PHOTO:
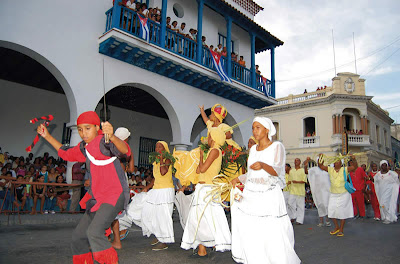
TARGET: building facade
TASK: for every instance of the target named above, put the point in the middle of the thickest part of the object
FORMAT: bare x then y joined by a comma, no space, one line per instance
314,122
62,57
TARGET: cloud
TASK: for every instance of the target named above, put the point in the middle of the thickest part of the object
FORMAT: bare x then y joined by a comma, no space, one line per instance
306,61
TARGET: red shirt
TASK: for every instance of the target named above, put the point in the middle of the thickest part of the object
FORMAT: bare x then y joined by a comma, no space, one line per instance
358,178
107,181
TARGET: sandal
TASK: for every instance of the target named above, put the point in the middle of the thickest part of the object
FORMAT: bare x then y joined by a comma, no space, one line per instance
340,234
122,237
334,232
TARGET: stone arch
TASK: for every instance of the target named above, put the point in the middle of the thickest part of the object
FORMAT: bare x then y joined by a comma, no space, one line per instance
52,69
165,103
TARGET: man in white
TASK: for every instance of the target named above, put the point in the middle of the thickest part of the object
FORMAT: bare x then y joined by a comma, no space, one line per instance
297,181
320,185
387,191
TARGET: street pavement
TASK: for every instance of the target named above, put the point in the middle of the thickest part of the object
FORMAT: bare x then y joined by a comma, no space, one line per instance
46,239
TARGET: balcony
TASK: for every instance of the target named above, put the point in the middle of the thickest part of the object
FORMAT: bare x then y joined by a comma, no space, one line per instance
308,142
304,97
175,56
353,140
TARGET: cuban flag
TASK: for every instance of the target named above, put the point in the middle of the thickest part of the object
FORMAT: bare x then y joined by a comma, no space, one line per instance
218,66
267,89
144,28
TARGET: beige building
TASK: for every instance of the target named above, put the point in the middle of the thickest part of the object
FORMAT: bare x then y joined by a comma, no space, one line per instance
312,123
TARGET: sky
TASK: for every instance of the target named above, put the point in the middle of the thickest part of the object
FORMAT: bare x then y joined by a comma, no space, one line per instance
306,61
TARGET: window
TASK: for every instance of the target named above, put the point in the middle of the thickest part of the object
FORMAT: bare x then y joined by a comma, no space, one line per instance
276,137
146,146
309,127
378,138
348,123
222,40
384,138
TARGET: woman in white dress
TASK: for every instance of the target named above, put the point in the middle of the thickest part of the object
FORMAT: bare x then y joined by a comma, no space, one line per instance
387,190
261,228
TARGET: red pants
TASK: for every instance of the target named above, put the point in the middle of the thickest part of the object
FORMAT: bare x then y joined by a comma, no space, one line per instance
358,202
375,205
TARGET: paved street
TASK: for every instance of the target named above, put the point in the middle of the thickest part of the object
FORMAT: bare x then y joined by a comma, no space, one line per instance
365,241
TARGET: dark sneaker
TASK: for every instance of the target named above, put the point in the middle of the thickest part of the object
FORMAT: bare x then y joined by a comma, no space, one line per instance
160,246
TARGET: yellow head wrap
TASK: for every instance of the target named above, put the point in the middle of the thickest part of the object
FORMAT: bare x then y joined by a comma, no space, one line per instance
254,139
165,145
225,128
218,136
219,111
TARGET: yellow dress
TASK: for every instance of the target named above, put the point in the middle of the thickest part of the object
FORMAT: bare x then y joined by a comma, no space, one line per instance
187,161
161,181
213,170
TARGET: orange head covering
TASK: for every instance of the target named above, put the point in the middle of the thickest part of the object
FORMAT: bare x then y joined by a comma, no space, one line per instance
219,111
89,117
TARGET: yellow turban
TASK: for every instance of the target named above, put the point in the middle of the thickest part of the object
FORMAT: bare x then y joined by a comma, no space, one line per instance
165,145
218,136
254,139
219,111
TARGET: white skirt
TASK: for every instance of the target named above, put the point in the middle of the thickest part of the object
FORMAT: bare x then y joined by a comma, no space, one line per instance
261,228
133,213
182,203
157,214
212,228
340,206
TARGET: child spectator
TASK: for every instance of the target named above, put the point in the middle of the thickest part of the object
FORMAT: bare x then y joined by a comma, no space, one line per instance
20,190
39,193
62,196
52,175
242,62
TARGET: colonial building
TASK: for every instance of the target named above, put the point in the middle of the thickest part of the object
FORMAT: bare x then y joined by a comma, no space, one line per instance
61,57
314,122
395,132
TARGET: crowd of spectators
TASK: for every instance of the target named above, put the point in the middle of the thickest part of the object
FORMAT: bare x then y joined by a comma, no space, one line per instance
17,194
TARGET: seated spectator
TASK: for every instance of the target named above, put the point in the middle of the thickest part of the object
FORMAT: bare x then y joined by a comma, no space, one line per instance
39,193
62,196
5,185
36,163
53,175
20,190
257,70
242,62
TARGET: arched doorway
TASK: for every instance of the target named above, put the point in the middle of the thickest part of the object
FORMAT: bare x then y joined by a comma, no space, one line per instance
145,117
32,87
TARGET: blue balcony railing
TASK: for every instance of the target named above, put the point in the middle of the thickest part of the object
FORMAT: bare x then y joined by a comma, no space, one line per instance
128,21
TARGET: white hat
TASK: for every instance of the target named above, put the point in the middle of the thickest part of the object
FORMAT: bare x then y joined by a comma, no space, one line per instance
122,133
267,123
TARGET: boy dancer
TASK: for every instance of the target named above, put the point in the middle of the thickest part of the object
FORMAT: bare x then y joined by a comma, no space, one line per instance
108,193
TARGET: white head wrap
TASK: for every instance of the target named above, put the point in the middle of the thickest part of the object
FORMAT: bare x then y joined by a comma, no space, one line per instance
267,123
383,162
122,133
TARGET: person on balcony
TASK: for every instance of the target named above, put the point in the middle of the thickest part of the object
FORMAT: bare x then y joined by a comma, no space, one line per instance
224,52
242,62
257,70
203,41
219,48
298,179
387,190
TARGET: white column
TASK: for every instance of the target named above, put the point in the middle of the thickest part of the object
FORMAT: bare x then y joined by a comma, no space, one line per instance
75,140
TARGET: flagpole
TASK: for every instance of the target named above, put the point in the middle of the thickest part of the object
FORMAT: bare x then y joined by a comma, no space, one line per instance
355,58
334,56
